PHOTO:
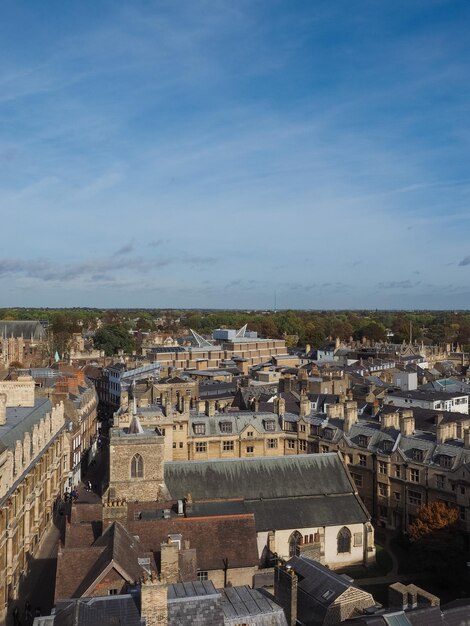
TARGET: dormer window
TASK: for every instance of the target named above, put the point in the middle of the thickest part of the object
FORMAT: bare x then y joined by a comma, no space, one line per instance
328,433
362,440
387,446
270,425
445,461
225,427
418,455
199,429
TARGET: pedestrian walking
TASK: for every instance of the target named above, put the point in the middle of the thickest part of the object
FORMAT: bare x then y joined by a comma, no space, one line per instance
16,616
28,612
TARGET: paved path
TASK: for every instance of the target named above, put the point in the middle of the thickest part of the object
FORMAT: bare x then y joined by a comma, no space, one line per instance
393,576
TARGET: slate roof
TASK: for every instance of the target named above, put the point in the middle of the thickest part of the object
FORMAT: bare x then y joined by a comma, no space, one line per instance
22,328
242,604
21,420
428,616
239,420
282,492
106,611
319,510
429,396
258,477
177,591
318,587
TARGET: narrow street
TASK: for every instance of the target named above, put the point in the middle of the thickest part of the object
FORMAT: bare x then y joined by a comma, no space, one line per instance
38,586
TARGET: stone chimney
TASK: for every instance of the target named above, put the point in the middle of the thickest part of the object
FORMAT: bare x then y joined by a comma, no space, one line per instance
169,560
407,423
285,592
444,432
466,438
3,408
305,406
390,420
187,563
405,597
114,511
287,384
350,415
154,601
210,408
186,406
281,406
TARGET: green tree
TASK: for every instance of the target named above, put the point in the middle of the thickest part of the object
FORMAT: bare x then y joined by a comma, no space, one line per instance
61,330
112,338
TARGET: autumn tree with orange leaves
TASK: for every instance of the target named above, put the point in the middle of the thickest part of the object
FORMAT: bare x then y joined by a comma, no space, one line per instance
433,517
438,544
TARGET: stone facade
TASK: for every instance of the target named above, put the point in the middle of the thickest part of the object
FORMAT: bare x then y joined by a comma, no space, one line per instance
19,392
147,450
397,467
34,466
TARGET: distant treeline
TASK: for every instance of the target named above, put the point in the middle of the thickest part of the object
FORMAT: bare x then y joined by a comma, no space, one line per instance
300,327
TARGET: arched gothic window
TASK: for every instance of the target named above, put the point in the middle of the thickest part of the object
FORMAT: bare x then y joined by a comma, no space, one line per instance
137,466
344,540
294,541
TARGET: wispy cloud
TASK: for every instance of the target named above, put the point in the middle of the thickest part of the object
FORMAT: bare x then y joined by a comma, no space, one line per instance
126,249
235,141
399,284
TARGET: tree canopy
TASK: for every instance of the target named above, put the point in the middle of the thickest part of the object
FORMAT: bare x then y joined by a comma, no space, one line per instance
111,338
438,544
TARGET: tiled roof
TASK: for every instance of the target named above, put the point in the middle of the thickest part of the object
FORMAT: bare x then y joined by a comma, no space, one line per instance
214,538
79,568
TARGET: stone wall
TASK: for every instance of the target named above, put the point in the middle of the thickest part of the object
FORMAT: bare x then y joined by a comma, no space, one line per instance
19,392
122,449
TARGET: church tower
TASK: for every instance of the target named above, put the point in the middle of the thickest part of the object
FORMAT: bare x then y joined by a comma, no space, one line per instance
136,457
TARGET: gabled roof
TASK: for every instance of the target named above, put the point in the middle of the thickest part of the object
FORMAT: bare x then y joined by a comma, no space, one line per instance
80,569
259,477
319,588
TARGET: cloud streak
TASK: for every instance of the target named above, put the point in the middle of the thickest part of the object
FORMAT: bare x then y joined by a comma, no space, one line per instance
292,147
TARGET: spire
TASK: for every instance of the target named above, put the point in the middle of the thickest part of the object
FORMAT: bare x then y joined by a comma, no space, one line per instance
135,427
134,400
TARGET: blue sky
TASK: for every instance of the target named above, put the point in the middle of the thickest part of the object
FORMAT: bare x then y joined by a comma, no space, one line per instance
206,153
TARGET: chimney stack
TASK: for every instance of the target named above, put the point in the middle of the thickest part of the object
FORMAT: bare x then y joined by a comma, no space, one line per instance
350,415
210,408
407,423
466,438
285,591
305,406
154,601
281,406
